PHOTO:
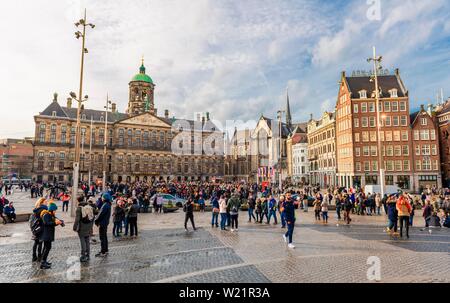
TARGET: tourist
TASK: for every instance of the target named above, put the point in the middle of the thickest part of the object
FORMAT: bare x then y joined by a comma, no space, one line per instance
49,222
10,212
65,198
348,207
324,210
338,200
281,201
258,210
118,217
133,217
305,202
233,206
404,211
189,210
102,221
272,210
215,211
201,204
289,214
223,212
378,203
317,206
84,221
36,226
392,215
251,208
427,212
264,210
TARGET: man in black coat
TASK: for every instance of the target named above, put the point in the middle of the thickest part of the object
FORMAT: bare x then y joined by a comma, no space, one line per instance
48,233
189,210
102,221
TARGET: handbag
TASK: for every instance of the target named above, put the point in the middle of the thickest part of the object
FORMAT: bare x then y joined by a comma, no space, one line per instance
216,210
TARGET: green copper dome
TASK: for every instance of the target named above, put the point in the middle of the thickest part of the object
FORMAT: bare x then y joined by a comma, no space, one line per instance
142,76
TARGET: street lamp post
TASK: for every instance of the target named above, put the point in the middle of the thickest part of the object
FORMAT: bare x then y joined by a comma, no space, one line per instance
280,167
377,66
105,145
76,164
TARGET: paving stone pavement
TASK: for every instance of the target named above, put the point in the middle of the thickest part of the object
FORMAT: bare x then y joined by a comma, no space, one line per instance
165,253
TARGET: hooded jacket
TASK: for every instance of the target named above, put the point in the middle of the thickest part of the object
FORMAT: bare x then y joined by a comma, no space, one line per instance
403,207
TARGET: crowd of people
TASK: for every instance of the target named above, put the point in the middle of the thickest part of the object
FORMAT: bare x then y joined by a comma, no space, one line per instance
122,202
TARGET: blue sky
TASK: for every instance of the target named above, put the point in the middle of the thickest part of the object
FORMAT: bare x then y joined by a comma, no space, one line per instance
234,59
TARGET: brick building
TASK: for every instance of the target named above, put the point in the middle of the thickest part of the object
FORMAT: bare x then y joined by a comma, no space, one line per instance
443,119
425,150
16,158
357,136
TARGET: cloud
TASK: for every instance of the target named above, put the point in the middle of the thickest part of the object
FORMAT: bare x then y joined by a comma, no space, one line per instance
231,58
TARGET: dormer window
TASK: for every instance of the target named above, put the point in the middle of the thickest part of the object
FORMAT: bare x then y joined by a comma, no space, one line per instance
54,113
363,94
393,93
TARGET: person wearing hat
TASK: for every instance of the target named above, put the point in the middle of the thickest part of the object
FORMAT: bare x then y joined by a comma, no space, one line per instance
49,222
102,221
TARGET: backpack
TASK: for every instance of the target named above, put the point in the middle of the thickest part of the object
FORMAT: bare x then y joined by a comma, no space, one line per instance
35,225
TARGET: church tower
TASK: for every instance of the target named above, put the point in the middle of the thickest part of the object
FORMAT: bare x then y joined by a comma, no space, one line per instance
141,98
288,112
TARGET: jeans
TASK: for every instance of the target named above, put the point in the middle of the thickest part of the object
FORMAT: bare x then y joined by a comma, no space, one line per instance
46,250
37,248
133,226
189,216
290,231
228,219
325,216
102,230
251,215
85,245
215,219
234,221
65,206
393,225
274,214
223,220
283,219
125,222
338,212
116,228
411,219
378,210
262,217
404,220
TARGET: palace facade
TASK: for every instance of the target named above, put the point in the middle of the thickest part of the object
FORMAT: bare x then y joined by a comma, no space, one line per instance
141,145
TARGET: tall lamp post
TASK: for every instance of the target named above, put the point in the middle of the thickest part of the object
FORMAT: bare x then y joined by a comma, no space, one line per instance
105,145
280,167
76,164
374,78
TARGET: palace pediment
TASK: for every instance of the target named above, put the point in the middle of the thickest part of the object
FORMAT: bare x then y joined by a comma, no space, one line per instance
145,119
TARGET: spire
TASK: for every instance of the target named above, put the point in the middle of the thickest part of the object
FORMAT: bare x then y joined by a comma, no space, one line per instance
288,111
142,68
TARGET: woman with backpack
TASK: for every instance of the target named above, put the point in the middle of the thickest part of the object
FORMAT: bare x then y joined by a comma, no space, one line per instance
84,221
36,227
48,233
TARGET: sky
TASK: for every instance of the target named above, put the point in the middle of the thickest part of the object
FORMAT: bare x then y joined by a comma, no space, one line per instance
234,59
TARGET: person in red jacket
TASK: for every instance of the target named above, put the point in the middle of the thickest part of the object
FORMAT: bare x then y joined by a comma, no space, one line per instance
404,211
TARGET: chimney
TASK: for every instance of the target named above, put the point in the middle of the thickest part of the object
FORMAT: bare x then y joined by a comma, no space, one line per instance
69,102
113,107
397,72
207,116
422,107
166,114
343,74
